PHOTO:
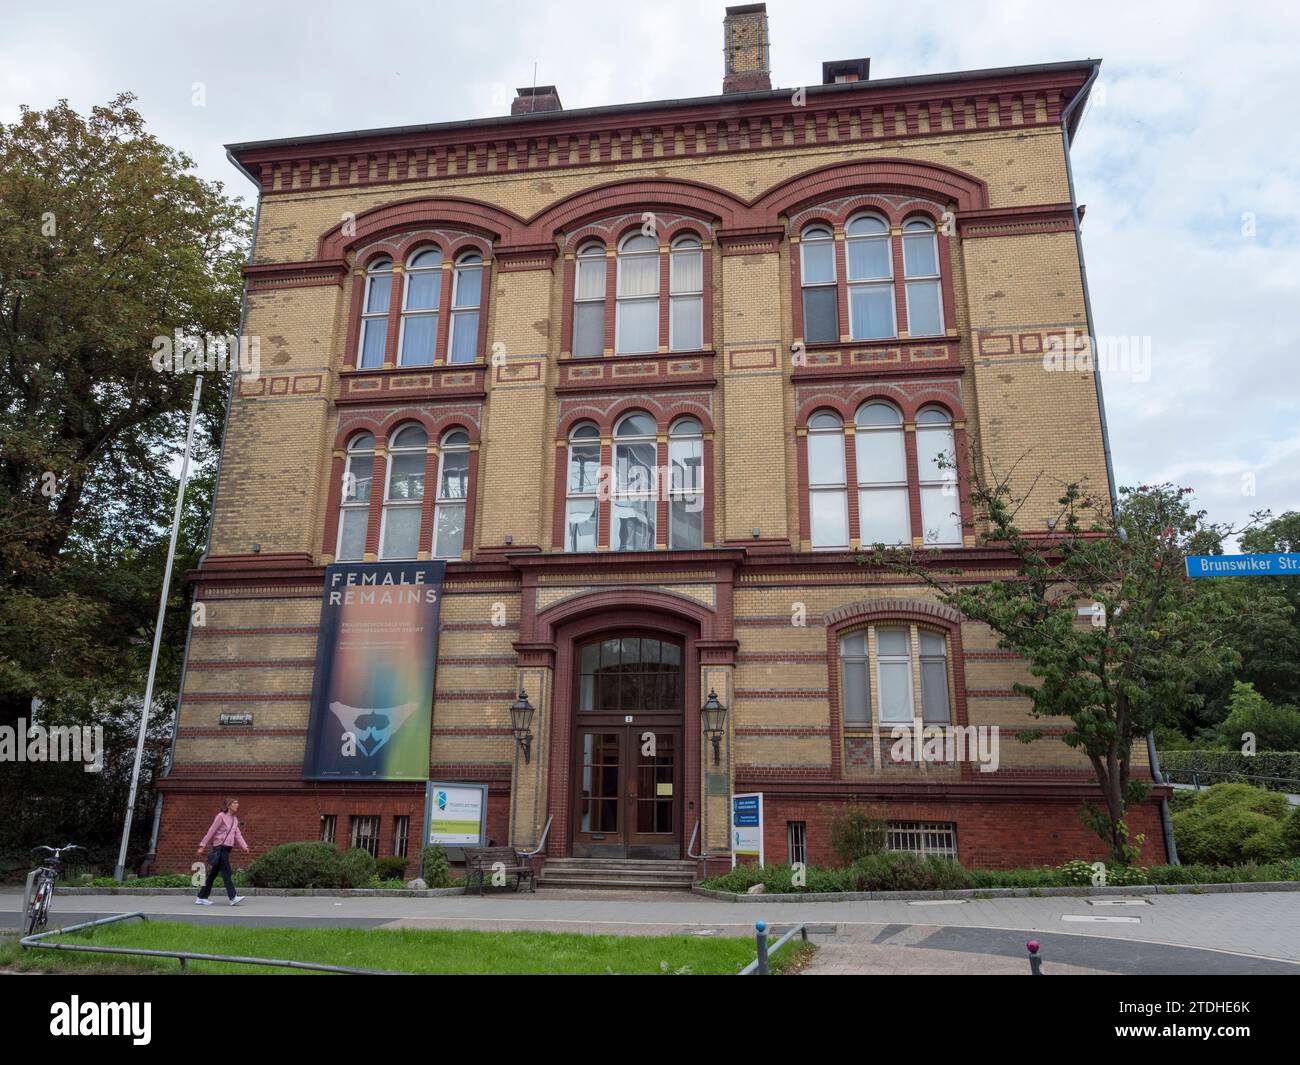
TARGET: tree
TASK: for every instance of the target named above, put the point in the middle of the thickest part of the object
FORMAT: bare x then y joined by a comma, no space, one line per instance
1274,728
106,242
1148,635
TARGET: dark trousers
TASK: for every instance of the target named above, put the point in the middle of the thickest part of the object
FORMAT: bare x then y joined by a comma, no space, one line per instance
221,866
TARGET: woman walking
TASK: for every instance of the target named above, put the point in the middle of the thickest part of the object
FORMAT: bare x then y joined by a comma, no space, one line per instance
222,835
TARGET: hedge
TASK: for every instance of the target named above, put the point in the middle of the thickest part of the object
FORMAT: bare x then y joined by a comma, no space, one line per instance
1260,769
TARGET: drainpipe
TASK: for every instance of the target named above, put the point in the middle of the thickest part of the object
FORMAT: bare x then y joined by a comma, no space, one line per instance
1166,821
216,483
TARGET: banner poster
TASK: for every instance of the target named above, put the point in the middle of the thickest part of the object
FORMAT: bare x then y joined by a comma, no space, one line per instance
372,695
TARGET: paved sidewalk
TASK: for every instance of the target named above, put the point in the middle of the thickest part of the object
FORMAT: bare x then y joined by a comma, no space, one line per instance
1258,925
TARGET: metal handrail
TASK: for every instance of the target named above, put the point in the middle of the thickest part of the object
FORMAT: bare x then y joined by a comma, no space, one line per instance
31,943
758,967
541,845
1233,774
689,853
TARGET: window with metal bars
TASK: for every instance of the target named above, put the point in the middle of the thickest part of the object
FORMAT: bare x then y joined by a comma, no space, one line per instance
365,834
401,835
927,838
797,836
328,826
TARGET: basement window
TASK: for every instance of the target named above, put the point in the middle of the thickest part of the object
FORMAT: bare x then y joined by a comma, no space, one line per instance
936,839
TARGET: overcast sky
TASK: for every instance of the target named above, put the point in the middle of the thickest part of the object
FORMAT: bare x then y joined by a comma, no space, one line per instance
1188,158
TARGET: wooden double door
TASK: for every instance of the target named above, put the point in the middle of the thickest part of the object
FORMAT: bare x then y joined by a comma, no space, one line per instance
627,748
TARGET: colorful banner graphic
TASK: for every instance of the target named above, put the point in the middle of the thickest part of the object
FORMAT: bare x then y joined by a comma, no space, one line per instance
372,697
455,815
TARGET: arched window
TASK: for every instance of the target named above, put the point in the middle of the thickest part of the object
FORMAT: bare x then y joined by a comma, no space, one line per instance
421,291
821,322
686,295
921,279
632,508
589,301
936,462
399,535
882,476
453,494
870,278
686,484
636,326
582,505
374,314
466,296
885,650
827,491
354,501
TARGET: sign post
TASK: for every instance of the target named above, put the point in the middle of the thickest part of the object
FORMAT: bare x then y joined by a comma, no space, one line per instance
455,815
747,827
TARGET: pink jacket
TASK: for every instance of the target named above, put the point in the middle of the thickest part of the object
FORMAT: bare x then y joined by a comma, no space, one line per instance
224,832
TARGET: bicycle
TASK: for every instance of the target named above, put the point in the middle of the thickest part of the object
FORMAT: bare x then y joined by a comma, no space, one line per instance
38,912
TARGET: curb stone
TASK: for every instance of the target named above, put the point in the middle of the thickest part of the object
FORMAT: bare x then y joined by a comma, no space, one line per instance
998,893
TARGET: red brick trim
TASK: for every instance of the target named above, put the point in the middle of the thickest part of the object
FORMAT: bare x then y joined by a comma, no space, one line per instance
1016,221
320,273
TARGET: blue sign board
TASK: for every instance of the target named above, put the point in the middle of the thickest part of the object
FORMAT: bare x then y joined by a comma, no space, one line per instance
1283,565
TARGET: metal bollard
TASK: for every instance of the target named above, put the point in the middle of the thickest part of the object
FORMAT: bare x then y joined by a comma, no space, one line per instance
761,939
1035,962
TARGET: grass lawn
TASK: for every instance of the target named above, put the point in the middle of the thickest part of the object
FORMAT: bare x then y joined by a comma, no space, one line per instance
406,950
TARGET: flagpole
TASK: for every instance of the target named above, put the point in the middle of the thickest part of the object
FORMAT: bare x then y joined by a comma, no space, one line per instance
120,872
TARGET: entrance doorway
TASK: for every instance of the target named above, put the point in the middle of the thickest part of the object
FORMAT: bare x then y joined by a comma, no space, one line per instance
627,743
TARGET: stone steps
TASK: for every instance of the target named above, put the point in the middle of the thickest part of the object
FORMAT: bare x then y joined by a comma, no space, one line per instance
629,873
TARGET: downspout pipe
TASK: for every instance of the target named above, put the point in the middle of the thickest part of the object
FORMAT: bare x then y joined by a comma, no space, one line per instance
1166,820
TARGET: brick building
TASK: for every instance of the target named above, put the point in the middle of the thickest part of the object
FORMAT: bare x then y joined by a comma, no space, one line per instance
647,376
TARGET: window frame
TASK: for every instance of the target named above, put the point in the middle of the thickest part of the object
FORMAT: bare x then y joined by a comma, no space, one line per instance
345,505
374,272
456,314
862,431
446,446
885,284
647,495
621,301
679,434
928,485
407,313
589,253
812,234
688,244
934,280
827,487
390,504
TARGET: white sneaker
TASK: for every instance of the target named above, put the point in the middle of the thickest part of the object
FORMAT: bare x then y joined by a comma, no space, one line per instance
237,900
202,902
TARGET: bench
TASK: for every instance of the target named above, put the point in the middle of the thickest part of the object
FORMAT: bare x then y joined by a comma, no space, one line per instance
480,863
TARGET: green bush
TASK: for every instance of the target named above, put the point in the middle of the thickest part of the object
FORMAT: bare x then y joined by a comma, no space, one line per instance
856,832
163,880
1275,728
297,865
1291,833
902,871
1228,824
391,868
437,869
1275,770
356,867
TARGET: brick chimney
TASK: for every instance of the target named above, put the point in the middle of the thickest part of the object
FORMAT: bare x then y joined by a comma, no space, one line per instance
536,99
745,43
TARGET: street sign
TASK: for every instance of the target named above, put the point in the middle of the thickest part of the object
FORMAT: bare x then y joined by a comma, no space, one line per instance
1279,565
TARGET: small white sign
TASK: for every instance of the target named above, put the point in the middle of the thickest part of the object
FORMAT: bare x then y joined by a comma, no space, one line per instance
747,827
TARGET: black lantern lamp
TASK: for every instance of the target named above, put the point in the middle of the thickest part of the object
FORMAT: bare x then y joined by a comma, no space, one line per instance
714,717
521,718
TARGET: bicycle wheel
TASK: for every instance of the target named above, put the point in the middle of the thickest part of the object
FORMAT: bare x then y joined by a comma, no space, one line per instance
39,911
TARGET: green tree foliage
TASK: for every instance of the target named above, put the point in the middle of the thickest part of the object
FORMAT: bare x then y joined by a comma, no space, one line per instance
106,242
1274,728
1135,658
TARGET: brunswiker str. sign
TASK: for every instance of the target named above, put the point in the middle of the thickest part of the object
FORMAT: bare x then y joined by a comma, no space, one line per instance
1278,565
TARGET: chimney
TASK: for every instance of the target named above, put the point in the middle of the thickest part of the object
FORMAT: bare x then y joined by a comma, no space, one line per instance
745,43
839,71
536,99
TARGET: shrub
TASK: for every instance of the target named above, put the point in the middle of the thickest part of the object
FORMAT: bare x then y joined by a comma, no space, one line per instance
1275,770
356,867
297,865
903,871
1275,728
1232,823
1291,833
856,832
391,868
437,869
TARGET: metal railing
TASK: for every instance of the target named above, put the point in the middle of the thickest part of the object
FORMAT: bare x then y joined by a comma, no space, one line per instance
1272,781
36,942
759,966
690,847
541,844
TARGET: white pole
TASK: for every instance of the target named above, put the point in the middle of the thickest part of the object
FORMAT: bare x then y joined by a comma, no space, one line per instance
120,872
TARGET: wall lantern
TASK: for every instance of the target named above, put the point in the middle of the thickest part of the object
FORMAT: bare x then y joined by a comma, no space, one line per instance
521,718
714,717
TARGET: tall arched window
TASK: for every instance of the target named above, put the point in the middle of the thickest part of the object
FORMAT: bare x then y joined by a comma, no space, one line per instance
686,295
589,301
936,461
636,326
827,491
582,505
632,508
686,484
453,493
882,475
399,535
884,651
421,291
821,322
922,283
374,314
354,501
870,278
466,297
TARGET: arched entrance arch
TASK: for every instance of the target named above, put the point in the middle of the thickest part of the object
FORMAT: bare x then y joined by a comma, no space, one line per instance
624,750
